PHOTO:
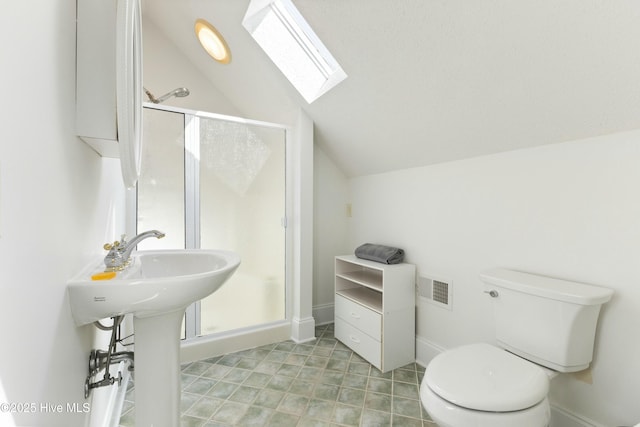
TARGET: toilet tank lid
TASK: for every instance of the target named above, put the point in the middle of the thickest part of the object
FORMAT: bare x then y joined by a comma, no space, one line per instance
547,287
483,377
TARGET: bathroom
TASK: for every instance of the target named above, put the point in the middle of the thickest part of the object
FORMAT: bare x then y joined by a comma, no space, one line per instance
560,201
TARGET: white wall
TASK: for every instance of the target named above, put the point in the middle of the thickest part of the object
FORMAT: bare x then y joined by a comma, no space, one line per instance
331,196
165,68
59,202
569,210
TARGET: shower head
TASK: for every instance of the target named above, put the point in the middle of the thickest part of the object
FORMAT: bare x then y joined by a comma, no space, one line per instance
179,92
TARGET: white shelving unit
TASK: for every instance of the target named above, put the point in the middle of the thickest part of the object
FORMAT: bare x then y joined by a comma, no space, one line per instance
375,310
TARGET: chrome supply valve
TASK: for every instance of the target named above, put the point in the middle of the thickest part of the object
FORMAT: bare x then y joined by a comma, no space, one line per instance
99,359
119,254
492,293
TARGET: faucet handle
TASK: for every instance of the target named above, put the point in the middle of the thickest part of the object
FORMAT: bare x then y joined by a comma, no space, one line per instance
109,246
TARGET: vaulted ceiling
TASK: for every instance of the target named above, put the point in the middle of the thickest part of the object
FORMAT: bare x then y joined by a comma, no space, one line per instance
431,81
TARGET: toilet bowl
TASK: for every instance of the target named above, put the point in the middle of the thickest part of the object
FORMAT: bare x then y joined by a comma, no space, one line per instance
543,326
484,386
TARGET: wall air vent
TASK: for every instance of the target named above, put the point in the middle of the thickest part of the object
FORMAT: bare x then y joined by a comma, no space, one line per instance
441,292
435,291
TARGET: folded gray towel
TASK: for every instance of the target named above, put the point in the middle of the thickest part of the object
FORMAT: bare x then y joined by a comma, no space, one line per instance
380,253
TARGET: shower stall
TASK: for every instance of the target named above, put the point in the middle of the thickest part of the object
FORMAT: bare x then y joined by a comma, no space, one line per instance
218,182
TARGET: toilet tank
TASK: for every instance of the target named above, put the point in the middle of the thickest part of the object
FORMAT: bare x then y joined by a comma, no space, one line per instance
548,321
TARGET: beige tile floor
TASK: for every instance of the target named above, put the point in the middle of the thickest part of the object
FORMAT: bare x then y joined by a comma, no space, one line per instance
321,383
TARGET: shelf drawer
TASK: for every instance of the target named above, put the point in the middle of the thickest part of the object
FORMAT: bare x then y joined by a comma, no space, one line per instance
359,316
358,341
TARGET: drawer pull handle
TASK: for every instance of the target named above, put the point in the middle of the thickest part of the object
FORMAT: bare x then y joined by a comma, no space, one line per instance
354,339
354,315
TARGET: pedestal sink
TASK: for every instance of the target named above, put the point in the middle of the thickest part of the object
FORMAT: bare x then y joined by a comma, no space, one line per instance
156,288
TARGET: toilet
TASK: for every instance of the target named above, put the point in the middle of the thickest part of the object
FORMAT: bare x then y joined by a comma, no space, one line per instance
543,327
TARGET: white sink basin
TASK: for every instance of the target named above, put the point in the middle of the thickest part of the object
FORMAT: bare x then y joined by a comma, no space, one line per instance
156,288
156,282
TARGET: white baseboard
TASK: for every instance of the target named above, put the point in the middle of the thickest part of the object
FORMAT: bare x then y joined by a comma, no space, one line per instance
426,350
561,417
242,339
323,314
303,330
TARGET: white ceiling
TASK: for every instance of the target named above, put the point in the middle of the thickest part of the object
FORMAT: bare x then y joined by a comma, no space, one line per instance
436,80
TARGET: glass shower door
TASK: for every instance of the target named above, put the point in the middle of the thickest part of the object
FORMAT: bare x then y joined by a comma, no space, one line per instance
219,183
242,208
161,186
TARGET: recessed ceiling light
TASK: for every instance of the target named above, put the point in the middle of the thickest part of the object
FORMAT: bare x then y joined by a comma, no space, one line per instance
212,41
286,37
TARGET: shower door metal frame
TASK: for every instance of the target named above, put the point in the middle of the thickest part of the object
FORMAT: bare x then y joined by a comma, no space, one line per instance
192,209
192,200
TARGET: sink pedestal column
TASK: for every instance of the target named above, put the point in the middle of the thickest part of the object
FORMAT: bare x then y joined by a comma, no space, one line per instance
157,369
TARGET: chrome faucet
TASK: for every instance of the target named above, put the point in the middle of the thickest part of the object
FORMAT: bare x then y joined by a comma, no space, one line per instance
119,254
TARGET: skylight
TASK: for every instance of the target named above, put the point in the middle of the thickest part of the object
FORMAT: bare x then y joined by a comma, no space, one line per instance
285,36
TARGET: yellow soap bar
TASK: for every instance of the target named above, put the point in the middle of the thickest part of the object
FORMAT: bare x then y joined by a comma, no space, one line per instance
107,275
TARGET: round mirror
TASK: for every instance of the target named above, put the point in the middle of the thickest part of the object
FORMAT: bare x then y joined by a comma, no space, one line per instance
129,89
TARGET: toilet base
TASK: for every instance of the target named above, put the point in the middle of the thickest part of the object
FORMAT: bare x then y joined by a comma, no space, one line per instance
446,414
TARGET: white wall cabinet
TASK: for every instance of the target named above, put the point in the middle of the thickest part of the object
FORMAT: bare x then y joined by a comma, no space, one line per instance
109,81
375,310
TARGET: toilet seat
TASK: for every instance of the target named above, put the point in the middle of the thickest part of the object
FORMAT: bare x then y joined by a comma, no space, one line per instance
482,377
446,414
